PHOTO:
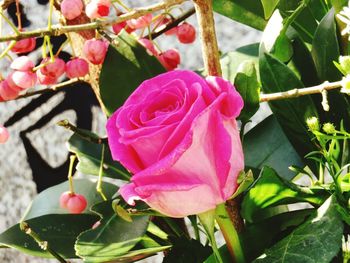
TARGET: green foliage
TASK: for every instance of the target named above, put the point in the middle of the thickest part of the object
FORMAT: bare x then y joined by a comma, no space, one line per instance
89,155
271,190
54,224
318,240
266,144
269,6
126,66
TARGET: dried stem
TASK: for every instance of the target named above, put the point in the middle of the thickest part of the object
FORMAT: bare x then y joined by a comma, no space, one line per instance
56,30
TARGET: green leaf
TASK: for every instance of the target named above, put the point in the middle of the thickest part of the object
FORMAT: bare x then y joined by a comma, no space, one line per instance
318,240
89,155
257,237
231,61
339,4
247,85
126,66
248,12
266,144
225,256
113,238
290,113
269,7
53,224
271,190
186,250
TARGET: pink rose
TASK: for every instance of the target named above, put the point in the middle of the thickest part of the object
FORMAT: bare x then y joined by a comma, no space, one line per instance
178,136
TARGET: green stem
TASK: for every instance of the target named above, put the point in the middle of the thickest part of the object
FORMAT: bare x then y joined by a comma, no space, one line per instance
230,234
17,32
100,174
70,177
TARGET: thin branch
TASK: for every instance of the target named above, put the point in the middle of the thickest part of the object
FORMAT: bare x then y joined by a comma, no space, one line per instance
58,29
294,93
172,24
51,89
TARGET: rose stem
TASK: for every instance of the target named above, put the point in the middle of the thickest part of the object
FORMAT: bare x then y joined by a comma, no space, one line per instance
211,58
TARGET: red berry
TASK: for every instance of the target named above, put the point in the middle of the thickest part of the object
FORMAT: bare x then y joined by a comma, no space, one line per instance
64,199
148,44
186,33
24,79
97,8
170,59
24,45
22,63
95,50
77,68
53,69
11,84
6,92
76,204
4,134
45,79
71,9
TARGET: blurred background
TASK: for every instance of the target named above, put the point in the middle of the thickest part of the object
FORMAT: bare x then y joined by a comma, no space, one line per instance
35,156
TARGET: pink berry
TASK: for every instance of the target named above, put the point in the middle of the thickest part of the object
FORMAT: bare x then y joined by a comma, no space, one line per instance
45,79
24,45
22,63
6,92
53,69
148,44
76,204
64,199
11,84
95,51
141,22
97,8
24,79
4,134
77,68
170,59
71,9
118,27
186,33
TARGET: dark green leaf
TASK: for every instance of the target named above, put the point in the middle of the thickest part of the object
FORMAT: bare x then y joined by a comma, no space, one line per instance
257,237
318,240
269,7
271,190
54,224
231,61
290,113
248,12
113,238
225,256
126,66
266,144
187,251
247,85
89,155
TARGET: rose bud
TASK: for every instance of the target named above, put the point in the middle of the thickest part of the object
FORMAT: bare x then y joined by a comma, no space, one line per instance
141,22
4,134
95,50
77,68
97,8
170,59
71,9
177,134
24,46
45,79
53,69
148,44
24,79
6,92
22,63
186,33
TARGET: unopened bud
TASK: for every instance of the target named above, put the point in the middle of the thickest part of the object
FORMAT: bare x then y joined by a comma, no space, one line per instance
313,124
344,63
329,128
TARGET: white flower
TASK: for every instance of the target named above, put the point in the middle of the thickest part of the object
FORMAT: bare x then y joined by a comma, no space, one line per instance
345,85
344,16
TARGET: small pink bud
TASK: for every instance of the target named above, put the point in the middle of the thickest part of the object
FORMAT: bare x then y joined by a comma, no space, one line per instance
53,69
24,45
76,204
6,92
148,44
141,22
95,50
186,33
4,134
45,79
77,68
97,8
24,79
170,59
22,63
71,8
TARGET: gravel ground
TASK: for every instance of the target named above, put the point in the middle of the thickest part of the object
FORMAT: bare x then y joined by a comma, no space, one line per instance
16,185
